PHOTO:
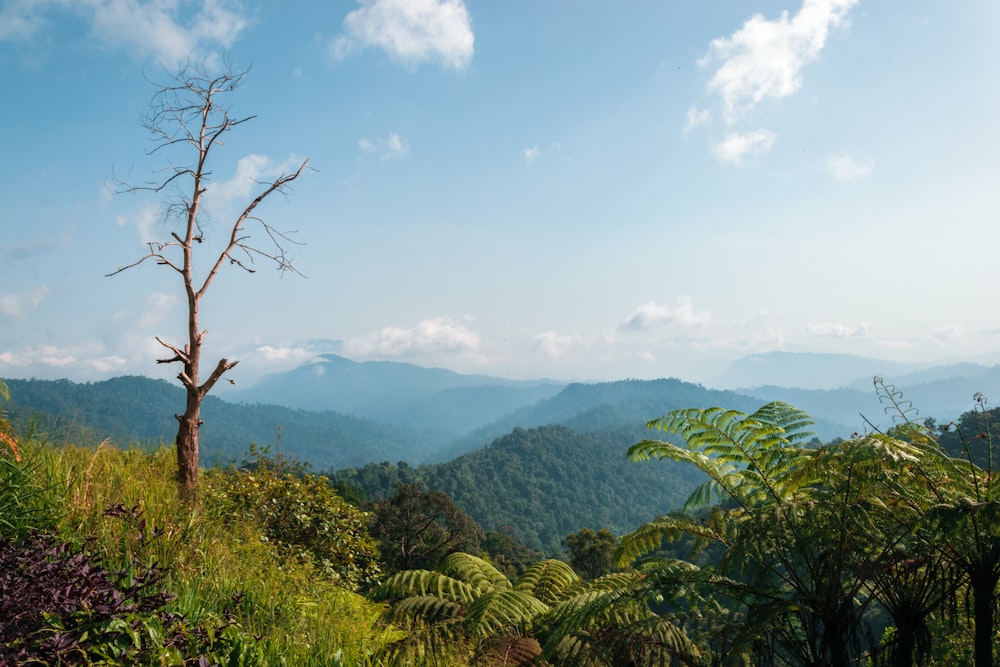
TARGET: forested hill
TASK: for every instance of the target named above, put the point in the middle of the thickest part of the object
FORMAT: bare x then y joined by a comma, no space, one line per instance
542,484
589,407
135,410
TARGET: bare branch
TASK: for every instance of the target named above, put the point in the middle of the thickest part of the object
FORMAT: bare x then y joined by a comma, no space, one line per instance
220,368
278,185
180,355
156,255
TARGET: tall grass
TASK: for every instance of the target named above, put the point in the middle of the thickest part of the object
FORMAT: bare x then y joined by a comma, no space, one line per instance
293,614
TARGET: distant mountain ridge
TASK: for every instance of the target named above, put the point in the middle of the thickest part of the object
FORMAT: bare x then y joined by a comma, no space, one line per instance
434,415
436,402
808,370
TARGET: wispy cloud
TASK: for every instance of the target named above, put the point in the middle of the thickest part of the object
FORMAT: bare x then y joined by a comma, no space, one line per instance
695,117
837,330
157,307
553,344
390,147
762,60
145,221
652,314
18,306
435,335
737,146
251,171
843,167
86,356
530,153
168,32
412,32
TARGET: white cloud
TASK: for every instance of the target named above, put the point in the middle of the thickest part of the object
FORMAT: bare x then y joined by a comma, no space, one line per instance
18,306
158,306
164,30
392,146
652,314
530,154
837,330
554,344
251,171
145,221
764,58
411,31
695,117
845,168
285,354
52,356
439,334
736,146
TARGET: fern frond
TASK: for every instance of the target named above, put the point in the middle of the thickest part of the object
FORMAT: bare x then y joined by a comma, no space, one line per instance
509,651
548,580
428,609
497,610
424,582
650,536
479,574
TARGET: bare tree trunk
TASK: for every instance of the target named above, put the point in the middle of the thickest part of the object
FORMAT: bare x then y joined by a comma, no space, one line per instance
187,444
185,114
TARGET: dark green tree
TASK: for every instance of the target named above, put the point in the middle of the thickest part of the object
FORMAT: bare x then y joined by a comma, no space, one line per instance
592,554
417,528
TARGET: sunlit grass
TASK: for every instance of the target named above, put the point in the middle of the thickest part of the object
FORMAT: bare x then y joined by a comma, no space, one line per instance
295,614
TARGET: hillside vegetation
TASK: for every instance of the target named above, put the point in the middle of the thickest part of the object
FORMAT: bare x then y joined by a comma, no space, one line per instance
544,483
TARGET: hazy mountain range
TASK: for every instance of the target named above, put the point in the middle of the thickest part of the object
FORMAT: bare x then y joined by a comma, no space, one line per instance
335,412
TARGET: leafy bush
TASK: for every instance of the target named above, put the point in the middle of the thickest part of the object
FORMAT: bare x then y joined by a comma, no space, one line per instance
301,514
60,605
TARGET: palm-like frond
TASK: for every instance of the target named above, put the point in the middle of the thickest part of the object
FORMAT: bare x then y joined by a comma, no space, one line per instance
423,609
477,572
748,458
412,583
499,610
611,622
669,528
549,580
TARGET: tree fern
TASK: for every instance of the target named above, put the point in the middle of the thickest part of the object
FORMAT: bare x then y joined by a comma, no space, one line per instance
548,581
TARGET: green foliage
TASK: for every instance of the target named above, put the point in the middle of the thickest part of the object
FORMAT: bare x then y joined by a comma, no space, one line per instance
539,485
6,431
257,606
25,502
468,610
301,514
417,528
592,554
140,410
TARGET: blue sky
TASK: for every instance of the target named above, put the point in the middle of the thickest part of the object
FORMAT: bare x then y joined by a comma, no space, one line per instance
530,188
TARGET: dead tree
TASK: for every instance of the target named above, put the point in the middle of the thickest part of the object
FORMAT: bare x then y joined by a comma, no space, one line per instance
186,116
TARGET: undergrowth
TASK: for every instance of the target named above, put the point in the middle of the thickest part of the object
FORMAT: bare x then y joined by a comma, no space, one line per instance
218,589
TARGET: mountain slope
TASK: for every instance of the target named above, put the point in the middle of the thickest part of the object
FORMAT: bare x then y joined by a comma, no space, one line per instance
130,410
544,483
435,402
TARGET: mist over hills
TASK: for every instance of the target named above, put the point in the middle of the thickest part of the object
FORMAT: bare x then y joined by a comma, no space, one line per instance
810,370
435,402
540,458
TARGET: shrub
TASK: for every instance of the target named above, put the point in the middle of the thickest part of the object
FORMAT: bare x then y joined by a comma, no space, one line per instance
60,605
302,515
